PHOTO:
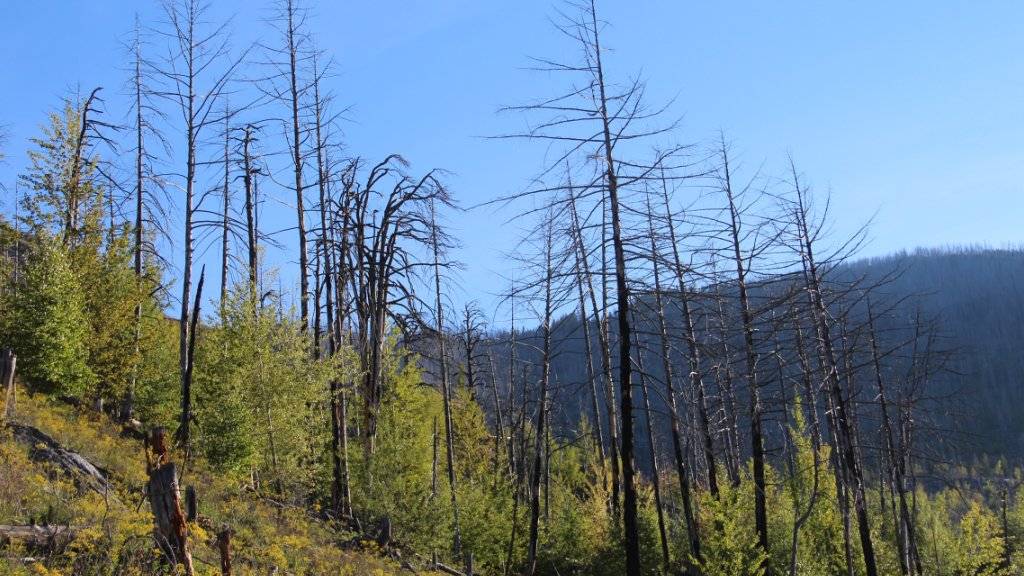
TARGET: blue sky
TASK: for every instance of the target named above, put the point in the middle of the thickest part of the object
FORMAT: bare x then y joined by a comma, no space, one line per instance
913,111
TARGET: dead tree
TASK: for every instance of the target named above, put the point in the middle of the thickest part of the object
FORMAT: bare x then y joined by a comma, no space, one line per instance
249,173
655,472
499,432
811,407
225,212
437,245
548,279
604,345
389,222
472,333
147,203
584,286
288,84
692,346
182,435
741,256
325,261
8,365
196,73
904,523
725,383
692,530
806,236
171,529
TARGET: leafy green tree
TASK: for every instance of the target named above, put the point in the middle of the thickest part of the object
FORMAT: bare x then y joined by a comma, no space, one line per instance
731,547
979,548
260,396
106,268
67,199
48,326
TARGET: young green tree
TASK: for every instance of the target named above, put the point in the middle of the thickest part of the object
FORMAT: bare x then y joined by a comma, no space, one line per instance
258,392
48,327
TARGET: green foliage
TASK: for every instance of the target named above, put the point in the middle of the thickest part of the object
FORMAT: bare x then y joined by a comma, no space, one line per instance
730,546
66,201
48,325
110,301
157,385
114,534
808,494
396,482
979,548
259,396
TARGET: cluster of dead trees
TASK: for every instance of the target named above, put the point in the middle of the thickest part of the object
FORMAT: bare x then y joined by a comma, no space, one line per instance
207,129
724,307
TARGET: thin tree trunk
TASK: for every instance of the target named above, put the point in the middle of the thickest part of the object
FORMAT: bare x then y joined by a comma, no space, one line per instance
297,165
844,430
655,472
8,365
696,376
183,435
250,210
604,341
580,255
746,314
538,453
499,424
225,221
692,530
128,408
449,432
903,522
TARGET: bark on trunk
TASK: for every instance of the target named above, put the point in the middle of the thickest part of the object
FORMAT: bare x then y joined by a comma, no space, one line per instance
8,366
751,356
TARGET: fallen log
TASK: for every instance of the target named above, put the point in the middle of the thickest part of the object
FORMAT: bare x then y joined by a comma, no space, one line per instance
447,569
42,537
433,565
43,448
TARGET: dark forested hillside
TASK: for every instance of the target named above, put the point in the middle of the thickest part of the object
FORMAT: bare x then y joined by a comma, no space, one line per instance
973,302
975,295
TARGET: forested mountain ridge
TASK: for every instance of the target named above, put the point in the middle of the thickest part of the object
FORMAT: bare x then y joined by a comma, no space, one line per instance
975,296
973,301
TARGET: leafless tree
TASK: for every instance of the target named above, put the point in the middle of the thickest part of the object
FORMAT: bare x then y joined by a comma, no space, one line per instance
288,82
592,120
807,235
195,75
438,246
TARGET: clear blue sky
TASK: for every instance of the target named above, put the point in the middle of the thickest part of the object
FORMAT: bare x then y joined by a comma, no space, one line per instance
913,110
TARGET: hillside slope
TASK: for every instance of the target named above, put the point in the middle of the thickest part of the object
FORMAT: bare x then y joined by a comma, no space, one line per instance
109,531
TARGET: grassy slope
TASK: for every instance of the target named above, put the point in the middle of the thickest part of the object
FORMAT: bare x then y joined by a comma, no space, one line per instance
115,531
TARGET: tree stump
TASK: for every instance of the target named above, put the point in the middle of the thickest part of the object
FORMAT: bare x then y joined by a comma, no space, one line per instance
171,529
224,545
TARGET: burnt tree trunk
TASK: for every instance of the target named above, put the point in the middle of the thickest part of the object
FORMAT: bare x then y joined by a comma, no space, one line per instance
655,472
183,435
8,365
171,529
751,357
539,443
677,442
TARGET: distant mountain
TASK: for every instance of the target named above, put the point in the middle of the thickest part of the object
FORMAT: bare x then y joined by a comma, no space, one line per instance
977,297
973,402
